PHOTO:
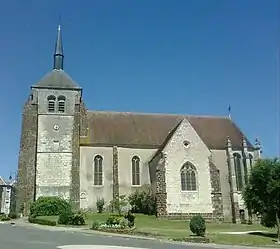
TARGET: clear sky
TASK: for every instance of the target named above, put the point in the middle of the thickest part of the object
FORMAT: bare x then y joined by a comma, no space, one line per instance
163,56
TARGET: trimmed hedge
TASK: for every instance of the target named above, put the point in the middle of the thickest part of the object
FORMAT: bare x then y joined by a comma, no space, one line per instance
49,206
40,221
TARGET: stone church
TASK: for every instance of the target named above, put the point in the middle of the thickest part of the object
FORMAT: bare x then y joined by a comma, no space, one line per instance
193,164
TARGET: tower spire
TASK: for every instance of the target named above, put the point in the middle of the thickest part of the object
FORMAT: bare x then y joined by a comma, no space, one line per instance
58,53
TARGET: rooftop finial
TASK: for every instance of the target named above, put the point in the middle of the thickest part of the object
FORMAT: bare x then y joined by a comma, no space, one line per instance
229,111
58,53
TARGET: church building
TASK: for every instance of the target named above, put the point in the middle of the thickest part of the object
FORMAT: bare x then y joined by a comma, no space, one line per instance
192,164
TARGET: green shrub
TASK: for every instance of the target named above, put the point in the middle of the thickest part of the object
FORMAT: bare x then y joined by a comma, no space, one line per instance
77,219
197,225
130,218
100,205
49,206
268,219
95,225
13,215
69,218
119,203
33,219
65,217
113,220
142,202
4,217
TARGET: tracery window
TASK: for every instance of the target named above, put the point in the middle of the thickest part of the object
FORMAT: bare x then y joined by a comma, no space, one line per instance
188,177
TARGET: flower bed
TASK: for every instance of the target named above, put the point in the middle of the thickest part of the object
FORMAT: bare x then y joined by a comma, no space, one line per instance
193,239
116,230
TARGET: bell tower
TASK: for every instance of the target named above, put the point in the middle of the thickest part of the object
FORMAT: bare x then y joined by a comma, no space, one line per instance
49,149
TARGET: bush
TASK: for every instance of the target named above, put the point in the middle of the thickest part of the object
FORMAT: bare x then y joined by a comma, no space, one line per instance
95,225
13,215
100,205
49,206
77,220
268,219
4,217
119,203
33,219
142,202
197,225
70,218
113,220
130,218
64,218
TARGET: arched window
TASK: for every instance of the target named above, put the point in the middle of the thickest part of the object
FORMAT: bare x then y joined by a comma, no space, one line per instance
135,164
251,160
188,177
238,172
98,170
51,103
245,168
61,103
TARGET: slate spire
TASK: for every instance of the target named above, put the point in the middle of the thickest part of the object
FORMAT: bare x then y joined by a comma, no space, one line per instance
58,53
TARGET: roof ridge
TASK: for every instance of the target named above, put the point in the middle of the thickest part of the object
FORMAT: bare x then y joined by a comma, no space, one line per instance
158,114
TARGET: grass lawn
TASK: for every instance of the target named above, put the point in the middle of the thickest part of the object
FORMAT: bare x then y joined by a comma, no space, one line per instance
179,229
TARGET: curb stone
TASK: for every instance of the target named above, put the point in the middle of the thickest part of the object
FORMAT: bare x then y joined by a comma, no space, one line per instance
24,223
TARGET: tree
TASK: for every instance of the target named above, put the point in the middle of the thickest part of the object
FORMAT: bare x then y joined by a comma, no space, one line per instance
262,193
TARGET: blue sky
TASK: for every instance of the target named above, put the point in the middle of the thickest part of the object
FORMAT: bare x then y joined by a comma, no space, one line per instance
173,56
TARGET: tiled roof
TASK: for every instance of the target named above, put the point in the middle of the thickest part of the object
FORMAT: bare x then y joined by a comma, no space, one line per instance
57,79
150,130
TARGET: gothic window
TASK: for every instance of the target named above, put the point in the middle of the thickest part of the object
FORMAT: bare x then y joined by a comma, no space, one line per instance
251,160
98,170
51,103
238,172
245,167
61,103
188,177
135,164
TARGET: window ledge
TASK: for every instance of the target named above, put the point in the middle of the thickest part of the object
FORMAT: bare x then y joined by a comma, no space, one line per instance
136,186
189,191
98,186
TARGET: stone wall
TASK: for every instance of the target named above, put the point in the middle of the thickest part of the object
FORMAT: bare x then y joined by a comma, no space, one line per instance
217,200
25,193
161,195
75,169
115,173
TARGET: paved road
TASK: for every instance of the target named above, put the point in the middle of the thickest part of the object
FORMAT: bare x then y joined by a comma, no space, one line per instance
12,237
24,237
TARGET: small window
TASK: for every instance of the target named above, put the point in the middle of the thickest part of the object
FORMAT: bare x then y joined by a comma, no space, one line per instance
51,103
98,170
61,103
135,163
186,143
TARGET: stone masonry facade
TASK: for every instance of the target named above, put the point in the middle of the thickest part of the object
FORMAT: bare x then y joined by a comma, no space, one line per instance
115,169
161,195
217,198
25,192
75,170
